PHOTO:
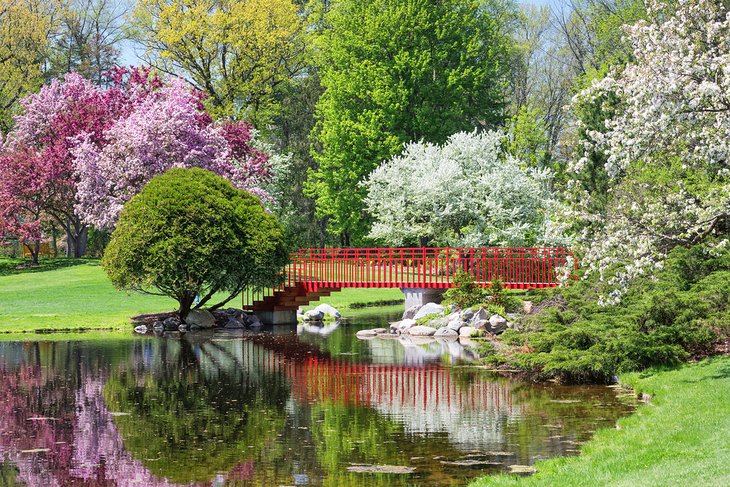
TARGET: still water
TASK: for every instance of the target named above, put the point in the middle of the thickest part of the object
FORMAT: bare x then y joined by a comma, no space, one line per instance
277,408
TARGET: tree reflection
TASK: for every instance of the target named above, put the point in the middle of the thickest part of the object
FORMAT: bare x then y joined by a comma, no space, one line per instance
199,414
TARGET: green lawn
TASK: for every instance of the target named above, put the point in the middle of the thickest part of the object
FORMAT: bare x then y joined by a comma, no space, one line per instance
68,295
682,437
73,294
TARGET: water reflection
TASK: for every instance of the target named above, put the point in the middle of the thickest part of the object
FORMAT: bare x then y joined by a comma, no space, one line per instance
268,409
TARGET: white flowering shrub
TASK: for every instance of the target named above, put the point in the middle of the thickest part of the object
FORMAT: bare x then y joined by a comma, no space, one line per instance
668,145
463,193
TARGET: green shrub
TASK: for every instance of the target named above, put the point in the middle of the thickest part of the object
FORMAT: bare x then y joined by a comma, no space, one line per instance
190,233
660,322
499,296
465,293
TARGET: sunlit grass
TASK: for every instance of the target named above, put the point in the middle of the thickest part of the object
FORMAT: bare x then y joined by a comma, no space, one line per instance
679,438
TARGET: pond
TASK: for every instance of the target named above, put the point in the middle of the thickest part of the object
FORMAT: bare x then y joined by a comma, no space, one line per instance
277,408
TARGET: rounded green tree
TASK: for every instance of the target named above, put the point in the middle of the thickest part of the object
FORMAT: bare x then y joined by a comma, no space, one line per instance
191,233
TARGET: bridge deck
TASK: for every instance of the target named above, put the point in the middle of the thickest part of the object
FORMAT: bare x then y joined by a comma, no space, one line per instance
316,272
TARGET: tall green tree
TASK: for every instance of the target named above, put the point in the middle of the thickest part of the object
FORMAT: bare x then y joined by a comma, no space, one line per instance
238,52
25,30
395,71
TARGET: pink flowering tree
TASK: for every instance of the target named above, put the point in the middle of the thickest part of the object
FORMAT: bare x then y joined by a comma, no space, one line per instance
45,132
168,129
92,148
23,194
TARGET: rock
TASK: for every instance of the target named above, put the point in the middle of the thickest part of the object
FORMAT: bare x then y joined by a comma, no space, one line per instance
441,321
366,334
253,321
183,327
231,312
527,307
480,315
467,314
233,324
467,331
446,332
411,312
523,469
454,308
455,325
158,326
379,330
428,309
497,324
402,326
313,315
171,324
200,317
422,331
481,325
328,310
141,329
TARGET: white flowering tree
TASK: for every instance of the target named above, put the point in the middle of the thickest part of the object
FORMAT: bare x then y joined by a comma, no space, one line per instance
463,193
668,143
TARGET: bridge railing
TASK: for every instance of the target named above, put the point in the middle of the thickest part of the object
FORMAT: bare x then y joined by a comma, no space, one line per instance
518,268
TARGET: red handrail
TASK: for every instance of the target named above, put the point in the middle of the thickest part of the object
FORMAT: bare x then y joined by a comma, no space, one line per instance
421,267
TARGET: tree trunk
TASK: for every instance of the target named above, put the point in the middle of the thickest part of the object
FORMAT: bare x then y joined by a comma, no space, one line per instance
54,240
34,251
76,236
69,242
80,244
186,302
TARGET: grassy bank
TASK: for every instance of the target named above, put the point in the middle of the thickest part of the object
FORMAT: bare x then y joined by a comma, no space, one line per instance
68,294
74,294
679,438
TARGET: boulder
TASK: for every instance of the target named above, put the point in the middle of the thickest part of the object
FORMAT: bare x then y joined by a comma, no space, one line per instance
253,320
467,331
422,331
402,326
141,329
446,332
171,324
481,325
527,307
183,327
158,326
428,309
328,310
313,315
366,333
455,325
497,324
442,321
233,324
411,312
467,314
200,317
480,315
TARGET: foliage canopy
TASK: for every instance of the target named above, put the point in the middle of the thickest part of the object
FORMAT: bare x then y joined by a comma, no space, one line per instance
395,72
190,233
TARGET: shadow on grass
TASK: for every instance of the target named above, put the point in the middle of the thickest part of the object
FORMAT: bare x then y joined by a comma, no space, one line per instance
722,372
9,266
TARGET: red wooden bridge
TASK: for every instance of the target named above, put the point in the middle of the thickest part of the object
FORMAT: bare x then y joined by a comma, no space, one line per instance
313,273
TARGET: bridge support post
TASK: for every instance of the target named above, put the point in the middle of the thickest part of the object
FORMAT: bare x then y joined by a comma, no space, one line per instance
421,296
278,317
